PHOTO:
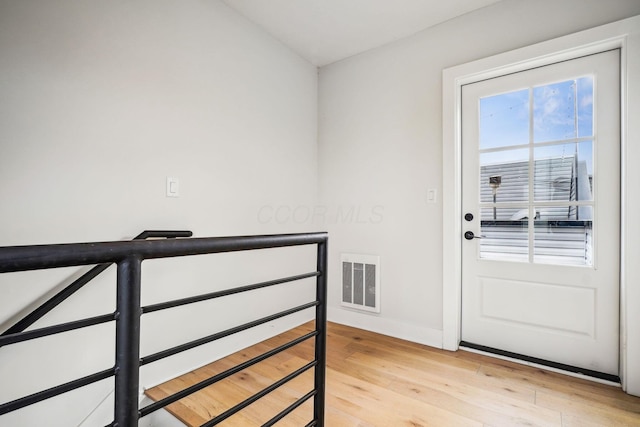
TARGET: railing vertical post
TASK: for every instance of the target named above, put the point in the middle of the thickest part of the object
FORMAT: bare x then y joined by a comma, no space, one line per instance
127,343
321,338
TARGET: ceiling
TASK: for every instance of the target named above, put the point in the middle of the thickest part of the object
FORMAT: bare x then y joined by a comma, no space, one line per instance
325,31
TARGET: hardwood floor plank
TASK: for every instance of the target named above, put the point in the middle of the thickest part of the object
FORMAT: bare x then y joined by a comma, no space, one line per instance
458,389
427,359
438,372
379,381
479,405
383,407
562,385
592,412
337,418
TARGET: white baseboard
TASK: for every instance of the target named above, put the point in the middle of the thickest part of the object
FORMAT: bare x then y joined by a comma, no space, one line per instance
384,326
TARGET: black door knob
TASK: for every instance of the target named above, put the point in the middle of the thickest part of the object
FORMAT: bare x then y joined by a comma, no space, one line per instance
468,216
469,235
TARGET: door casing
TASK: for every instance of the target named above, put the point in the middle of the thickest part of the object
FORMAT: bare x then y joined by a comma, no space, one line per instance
624,35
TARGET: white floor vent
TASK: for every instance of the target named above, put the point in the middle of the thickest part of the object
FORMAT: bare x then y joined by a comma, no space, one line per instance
361,282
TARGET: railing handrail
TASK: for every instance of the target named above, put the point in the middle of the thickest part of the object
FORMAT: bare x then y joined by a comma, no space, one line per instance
128,256
537,222
38,257
81,281
163,234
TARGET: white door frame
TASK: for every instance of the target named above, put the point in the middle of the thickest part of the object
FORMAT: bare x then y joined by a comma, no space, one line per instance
623,34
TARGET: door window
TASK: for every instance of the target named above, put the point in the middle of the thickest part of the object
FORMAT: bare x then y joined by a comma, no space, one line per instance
536,173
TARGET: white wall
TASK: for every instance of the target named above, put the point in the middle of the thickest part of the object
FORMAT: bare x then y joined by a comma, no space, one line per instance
380,144
99,103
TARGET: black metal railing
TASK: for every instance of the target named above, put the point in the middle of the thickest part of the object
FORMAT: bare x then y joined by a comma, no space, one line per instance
128,256
80,282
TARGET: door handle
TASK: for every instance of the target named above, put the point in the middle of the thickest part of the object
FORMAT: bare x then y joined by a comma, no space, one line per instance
470,236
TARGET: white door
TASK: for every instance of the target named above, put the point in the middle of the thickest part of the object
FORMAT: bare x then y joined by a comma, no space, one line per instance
541,196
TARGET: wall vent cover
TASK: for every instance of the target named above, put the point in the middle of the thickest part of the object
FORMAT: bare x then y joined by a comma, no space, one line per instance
361,282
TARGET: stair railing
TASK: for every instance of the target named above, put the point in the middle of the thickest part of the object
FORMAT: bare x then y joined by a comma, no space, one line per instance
128,256
77,284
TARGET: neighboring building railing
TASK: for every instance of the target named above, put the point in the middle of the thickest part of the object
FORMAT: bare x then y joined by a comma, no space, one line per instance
555,242
128,256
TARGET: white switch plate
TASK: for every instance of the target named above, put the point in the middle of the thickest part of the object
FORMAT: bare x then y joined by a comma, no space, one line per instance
173,187
432,195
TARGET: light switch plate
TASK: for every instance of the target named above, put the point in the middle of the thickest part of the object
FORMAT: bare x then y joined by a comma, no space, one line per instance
432,195
173,187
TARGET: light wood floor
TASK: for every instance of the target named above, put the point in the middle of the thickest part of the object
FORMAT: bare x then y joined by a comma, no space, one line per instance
375,380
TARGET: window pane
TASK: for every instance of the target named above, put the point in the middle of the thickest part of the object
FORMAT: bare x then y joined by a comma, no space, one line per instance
504,119
504,234
585,106
563,242
564,172
505,173
554,111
